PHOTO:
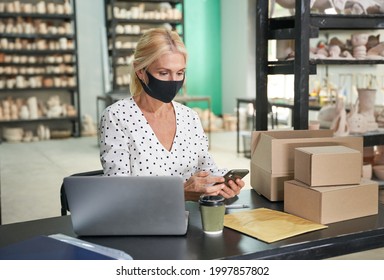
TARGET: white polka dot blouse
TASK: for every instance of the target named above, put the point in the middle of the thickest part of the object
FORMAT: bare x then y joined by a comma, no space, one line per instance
128,145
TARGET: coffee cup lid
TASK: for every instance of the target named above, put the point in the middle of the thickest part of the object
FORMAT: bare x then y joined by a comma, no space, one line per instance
211,200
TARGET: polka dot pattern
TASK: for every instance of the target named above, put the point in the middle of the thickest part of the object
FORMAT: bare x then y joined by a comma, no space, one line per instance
128,145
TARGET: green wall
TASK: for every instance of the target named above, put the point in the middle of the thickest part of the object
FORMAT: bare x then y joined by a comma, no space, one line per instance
203,40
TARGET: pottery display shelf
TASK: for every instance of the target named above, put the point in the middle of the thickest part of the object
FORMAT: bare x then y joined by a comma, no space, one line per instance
302,27
39,57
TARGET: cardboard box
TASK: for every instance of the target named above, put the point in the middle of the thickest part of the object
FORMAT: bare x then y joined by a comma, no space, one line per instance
269,185
273,151
332,204
327,166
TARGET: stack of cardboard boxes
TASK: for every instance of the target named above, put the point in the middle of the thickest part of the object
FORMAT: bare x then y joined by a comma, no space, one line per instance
328,186
317,175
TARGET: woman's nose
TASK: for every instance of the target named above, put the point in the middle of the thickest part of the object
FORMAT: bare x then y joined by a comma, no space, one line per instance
174,77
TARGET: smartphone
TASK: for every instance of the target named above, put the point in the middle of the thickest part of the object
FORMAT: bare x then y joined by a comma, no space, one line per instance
234,174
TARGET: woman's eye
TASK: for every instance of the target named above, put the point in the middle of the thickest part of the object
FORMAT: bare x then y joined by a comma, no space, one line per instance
163,73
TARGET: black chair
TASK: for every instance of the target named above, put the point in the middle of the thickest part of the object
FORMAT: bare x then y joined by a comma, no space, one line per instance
63,196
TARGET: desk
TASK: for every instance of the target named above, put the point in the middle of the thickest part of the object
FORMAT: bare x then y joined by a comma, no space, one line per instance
338,239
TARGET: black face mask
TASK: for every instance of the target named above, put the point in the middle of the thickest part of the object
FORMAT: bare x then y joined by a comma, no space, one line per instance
164,91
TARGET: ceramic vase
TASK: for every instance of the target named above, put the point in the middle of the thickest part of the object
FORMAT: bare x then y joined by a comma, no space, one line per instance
32,107
359,42
367,99
357,123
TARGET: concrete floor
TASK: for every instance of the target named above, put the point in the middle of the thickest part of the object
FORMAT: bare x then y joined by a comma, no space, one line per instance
31,175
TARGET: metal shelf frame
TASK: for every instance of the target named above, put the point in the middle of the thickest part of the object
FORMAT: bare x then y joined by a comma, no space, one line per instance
301,27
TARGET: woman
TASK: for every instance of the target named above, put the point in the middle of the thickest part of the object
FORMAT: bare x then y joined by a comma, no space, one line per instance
149,134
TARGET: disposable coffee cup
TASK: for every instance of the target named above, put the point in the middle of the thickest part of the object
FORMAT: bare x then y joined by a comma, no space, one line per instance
212,210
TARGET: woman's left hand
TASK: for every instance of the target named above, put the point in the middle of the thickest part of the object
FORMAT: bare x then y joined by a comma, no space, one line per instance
232,188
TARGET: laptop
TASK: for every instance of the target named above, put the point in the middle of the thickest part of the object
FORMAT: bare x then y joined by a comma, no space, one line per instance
126,205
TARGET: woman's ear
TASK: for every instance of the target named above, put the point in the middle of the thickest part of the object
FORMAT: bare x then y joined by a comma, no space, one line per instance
140,74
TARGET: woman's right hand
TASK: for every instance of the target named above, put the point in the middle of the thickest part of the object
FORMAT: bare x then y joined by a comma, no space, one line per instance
203,182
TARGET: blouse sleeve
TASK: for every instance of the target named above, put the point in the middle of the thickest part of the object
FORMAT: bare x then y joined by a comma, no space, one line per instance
114,155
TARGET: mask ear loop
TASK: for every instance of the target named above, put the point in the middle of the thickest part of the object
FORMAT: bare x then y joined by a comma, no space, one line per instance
144,84
142,81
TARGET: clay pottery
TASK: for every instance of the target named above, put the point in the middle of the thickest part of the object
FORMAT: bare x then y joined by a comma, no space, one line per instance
17,7
334,51
33,108
48,82
13,134
24,113
63,43
359,48
10,7
60,9
367,99
314,125
340,125
41,8
27,8
378,170
357,122
51,8
376,51
67,7
367,171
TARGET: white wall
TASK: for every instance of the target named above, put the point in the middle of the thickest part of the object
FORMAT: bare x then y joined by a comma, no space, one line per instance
90,24
237,68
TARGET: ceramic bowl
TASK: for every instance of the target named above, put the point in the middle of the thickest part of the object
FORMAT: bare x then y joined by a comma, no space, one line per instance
378,170
13,134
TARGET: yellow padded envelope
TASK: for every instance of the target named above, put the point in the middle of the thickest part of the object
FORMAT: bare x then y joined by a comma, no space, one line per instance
269,225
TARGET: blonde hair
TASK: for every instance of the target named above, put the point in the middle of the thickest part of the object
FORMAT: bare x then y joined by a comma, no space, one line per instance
152,45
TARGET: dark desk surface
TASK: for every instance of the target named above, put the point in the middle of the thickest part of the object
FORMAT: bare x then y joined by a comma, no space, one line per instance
339,238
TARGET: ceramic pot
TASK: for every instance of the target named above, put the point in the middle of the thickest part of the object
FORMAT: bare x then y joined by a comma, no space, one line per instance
357,123
367,99
359,42
367,171
13,134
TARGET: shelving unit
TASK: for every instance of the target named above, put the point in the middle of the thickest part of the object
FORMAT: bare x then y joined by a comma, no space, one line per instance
39,61
302,27
126,22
